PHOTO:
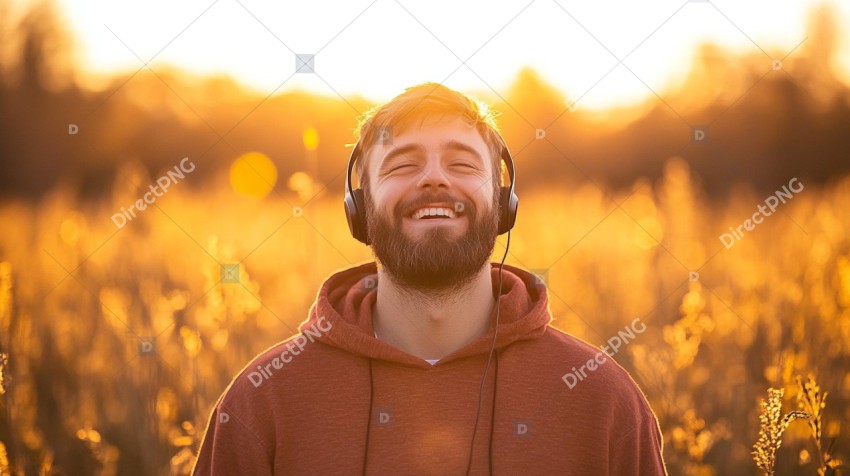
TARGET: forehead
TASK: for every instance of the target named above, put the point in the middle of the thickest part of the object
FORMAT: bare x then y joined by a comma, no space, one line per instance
431,134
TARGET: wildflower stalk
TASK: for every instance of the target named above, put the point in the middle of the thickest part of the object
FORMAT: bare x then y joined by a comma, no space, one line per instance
773,425
811,401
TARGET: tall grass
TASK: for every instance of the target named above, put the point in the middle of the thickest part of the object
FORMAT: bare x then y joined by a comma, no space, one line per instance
82,396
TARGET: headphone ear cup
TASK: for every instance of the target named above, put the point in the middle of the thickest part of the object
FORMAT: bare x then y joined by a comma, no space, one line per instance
357,220
350,211
508,205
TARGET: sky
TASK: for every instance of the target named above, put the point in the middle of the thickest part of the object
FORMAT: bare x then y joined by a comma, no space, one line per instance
598,54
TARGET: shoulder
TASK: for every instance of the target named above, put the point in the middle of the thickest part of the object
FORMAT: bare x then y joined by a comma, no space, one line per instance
269,370
271,379
590,375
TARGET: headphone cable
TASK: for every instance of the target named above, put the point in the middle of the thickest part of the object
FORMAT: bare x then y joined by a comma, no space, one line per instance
487,367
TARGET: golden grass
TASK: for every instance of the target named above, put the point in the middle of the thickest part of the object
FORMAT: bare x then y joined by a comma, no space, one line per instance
81,397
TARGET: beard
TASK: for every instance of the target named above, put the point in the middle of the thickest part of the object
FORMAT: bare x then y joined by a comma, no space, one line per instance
439,262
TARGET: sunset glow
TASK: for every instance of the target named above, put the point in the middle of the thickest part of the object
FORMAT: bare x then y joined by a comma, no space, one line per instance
375,49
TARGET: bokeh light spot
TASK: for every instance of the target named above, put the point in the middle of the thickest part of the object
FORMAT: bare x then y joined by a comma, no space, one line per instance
253,175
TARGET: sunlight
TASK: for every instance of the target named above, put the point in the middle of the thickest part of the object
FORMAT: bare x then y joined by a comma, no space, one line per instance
377,51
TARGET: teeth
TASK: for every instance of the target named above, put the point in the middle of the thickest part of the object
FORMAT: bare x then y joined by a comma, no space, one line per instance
434,211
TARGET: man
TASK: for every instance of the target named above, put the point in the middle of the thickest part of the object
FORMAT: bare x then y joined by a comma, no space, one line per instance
396,370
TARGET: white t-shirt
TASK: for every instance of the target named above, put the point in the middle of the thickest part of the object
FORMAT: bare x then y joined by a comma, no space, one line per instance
430,361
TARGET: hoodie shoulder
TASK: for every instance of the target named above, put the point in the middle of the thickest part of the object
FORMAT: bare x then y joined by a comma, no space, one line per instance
589,373
597,393
279,364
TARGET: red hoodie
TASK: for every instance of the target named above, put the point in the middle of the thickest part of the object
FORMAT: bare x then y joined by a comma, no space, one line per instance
336,400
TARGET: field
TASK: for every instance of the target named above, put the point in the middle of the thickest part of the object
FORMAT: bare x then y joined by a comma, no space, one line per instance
118,341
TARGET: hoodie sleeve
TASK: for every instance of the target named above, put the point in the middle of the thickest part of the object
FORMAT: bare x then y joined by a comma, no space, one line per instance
638,451
230,447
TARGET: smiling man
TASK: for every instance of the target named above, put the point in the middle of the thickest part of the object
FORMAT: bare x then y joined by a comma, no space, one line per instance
432,359
433,245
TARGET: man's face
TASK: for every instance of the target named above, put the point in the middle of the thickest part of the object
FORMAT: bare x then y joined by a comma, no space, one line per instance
442,165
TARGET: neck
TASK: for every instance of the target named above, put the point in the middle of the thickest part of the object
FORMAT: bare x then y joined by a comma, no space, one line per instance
432,327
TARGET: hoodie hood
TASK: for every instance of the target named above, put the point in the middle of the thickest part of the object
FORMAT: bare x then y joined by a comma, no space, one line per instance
347,297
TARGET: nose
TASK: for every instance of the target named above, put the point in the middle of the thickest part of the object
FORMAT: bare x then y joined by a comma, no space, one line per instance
433,175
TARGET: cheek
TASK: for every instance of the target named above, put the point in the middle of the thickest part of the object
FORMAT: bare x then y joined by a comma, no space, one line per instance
487,197
388,199
380,206
484,189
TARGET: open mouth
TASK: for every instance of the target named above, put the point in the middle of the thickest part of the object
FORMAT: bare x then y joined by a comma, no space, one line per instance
434,213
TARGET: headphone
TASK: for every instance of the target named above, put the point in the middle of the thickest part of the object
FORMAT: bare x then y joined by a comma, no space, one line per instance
355,200
355,213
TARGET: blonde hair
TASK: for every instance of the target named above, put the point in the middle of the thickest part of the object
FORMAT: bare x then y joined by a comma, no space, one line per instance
419,102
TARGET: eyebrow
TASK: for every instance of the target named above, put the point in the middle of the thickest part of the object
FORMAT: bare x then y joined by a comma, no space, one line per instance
449,145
